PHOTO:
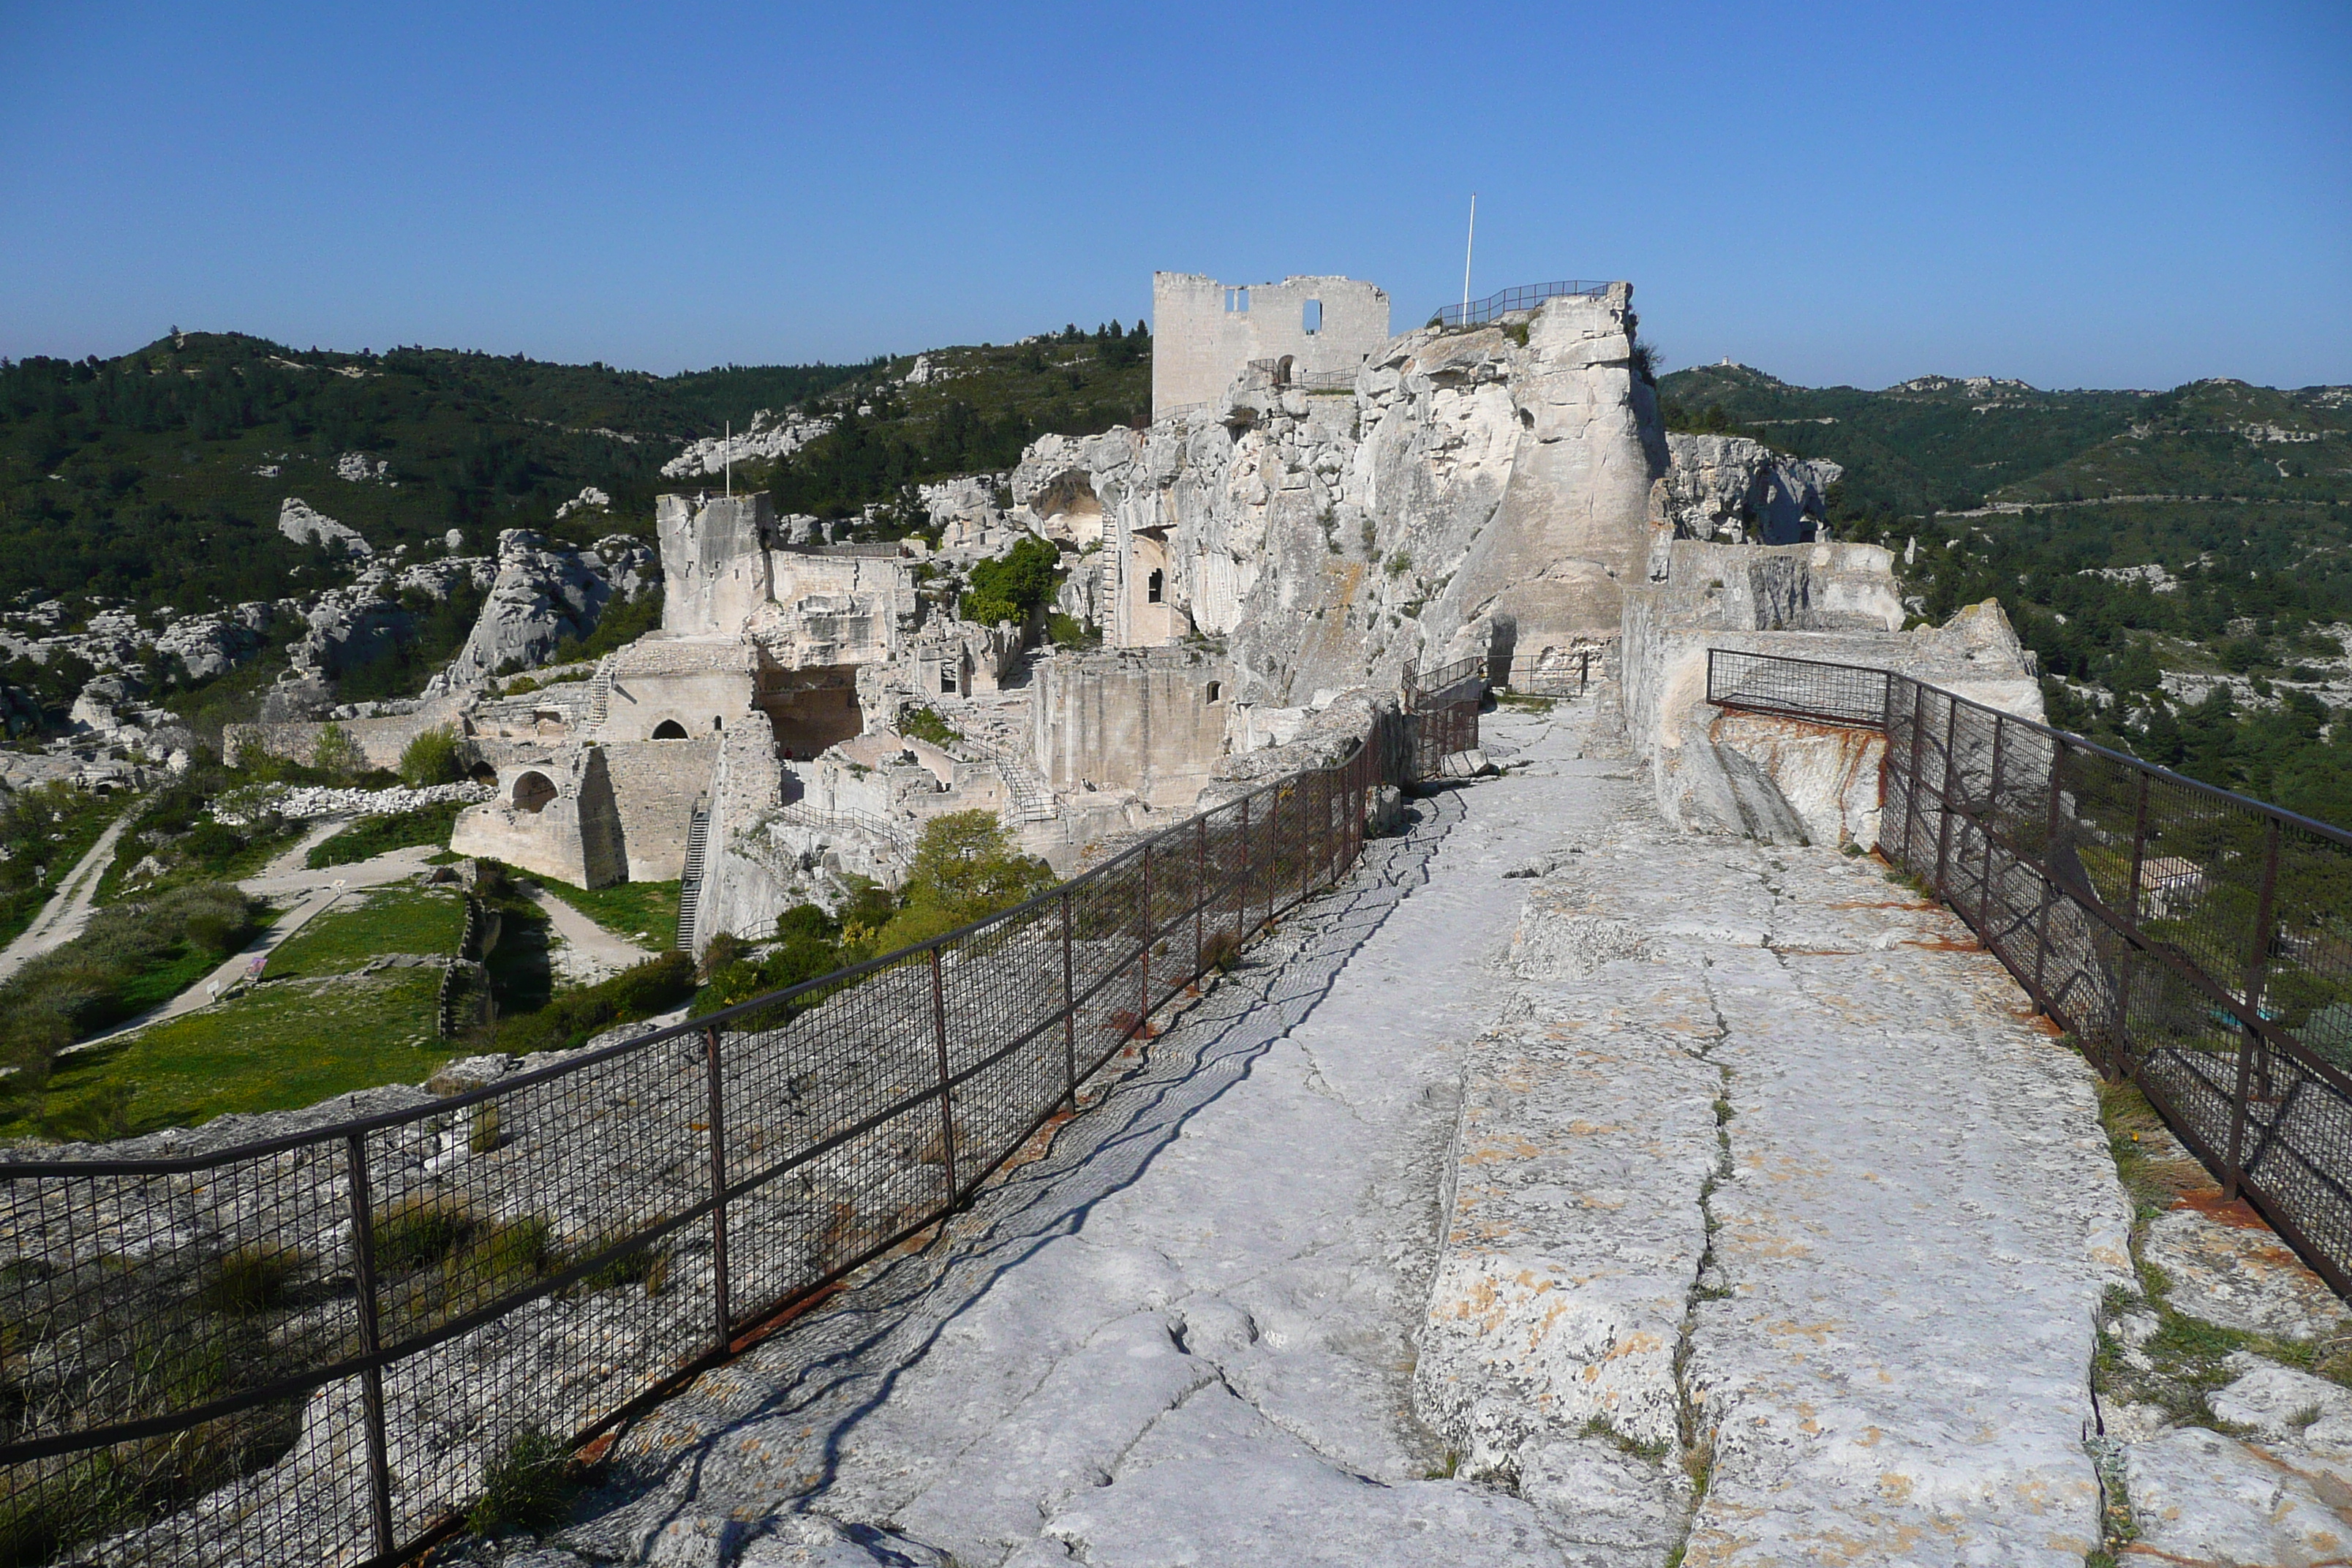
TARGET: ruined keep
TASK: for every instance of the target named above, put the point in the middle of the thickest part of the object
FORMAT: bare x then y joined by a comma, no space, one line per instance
1204,332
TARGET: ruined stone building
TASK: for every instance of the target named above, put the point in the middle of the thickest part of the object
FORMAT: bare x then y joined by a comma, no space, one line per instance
1320,510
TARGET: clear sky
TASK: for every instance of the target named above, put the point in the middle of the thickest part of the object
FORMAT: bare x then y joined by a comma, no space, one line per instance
2126,195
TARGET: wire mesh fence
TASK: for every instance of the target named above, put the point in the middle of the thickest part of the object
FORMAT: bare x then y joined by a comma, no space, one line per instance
1526,297
2193,940
317,1348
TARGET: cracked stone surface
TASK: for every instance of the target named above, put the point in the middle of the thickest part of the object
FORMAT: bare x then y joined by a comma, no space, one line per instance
1763,1170
1563,1191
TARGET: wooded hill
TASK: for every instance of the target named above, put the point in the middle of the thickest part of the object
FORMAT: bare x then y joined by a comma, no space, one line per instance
156,478
2239,493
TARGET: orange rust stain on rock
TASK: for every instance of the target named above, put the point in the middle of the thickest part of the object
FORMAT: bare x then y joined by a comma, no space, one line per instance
2238,1216
1945,943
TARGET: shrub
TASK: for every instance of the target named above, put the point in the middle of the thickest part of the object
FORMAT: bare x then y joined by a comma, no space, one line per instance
525,1489
965,866
254,1277
654,986
1014,586
432,758
337,754
921,723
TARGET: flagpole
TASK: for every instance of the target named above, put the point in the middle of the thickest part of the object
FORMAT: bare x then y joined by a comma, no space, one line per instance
1466,244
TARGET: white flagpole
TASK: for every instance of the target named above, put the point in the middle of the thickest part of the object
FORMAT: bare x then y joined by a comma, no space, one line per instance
1466,244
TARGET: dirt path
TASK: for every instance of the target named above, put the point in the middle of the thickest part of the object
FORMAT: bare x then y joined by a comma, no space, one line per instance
63,918
585,951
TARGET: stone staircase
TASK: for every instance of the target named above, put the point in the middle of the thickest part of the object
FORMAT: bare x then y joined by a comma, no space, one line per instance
1032,801
600,693
690,888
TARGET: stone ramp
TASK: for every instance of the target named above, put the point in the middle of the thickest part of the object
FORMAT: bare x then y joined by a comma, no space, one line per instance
1563,1191
1184,1332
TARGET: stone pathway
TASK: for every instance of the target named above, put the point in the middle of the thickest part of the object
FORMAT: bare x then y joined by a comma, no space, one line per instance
66,915
1562,1191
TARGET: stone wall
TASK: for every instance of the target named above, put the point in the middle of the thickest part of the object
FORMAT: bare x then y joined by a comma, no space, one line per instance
575,837
1787,780
1203,333
380,740
1152,722
655,786
1484,491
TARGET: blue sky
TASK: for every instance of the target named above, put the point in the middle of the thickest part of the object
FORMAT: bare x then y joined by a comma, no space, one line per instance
2127,194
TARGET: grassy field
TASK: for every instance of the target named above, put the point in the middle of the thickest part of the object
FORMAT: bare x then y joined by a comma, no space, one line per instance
53,836
279,1047
361,926
644,912
311,1029
373,836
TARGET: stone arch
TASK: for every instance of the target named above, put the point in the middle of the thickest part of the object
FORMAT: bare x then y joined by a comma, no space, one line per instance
669,730
532,791
481,773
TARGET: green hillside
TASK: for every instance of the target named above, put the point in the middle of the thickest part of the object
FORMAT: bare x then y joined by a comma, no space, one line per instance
156,478
2254,533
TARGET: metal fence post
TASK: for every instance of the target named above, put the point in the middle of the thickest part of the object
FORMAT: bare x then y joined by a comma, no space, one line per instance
1069,1006
1943,796
1241,883
1143,990
1911,789
2122,1036
2049,871
370,1340
947,1107
721,1307
1984,826
2250,1039
1199,890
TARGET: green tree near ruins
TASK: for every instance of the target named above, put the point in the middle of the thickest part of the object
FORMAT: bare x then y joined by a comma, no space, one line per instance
337,754
432,758
1014,587
965,867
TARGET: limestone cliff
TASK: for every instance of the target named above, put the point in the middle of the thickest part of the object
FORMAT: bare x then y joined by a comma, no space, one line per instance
1475,491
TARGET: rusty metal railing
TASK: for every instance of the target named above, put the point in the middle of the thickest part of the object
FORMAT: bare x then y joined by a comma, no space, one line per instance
2195,941
315,1347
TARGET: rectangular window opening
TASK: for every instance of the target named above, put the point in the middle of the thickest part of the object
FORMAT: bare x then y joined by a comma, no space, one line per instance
1310,317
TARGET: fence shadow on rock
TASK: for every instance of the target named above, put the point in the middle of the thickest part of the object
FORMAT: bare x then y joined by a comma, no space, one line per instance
312,1348
2195,941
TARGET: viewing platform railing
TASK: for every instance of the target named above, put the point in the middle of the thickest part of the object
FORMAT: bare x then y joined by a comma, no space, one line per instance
2192,941
1526,297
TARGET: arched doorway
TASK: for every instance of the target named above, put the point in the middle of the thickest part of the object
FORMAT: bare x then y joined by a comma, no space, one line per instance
532,791
669,730
483,773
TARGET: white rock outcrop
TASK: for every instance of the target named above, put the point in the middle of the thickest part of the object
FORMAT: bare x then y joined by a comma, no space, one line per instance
1734,490
300,523
542,593
769,436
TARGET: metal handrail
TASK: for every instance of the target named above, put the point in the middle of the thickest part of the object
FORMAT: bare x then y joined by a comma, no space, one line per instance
1047,992
1526,297
2202,983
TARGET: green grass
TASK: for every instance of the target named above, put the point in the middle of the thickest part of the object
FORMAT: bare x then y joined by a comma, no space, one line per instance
373,836
639,911
360,926
281,1045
